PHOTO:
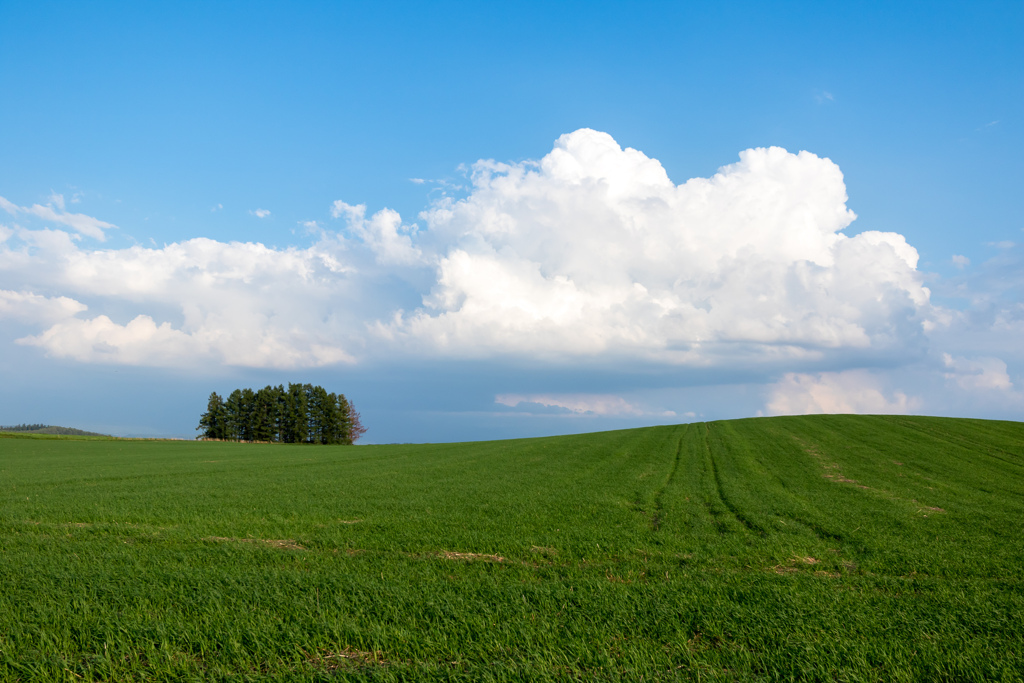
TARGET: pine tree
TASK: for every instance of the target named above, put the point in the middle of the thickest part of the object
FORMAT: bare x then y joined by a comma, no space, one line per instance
298,414
280,413
234,415
212,422
248,414
333,428
264,418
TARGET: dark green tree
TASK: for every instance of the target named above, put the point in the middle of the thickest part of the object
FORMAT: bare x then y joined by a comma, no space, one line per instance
297,415
280,413
234,414
247,419
213,422
264,415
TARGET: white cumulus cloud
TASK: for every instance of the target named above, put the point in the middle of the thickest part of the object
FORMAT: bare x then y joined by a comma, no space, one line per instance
196,301
594,250
852,391
383,232
977,374
31,307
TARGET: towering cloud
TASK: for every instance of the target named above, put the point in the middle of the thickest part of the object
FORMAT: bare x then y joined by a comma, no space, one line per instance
594,250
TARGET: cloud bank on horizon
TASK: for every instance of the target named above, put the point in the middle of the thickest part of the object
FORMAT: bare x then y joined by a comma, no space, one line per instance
591,255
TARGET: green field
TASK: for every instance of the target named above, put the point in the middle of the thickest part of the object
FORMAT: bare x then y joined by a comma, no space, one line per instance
808,548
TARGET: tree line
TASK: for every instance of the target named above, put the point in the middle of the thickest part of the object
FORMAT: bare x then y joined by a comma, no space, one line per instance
302,413
48,429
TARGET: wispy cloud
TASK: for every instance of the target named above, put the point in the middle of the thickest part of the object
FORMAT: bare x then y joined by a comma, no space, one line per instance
259,213
54,212
580,404
960,261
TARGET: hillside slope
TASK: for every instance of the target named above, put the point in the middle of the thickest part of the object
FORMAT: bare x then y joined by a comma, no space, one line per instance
815,548
52,430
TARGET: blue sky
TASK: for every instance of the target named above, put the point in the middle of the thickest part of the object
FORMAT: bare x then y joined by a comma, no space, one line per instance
202,165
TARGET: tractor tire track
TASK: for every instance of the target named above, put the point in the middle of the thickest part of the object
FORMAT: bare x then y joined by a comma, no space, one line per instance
659,507
733,510
965,443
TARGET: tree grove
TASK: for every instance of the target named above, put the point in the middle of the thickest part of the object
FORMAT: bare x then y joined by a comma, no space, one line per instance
302,413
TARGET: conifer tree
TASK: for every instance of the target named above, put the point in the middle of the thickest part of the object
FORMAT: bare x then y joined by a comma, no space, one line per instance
234,415
247,417
212,422
298,414
263,416
280,413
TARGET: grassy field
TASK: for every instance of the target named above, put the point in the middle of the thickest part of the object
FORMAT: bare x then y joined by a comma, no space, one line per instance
808,548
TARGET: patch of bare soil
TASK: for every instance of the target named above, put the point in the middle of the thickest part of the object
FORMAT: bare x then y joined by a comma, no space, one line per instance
282,543
800,563
331,661
543,554
835,475
469,557
832,473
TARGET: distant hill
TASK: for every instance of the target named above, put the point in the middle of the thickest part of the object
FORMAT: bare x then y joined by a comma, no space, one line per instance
49,429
